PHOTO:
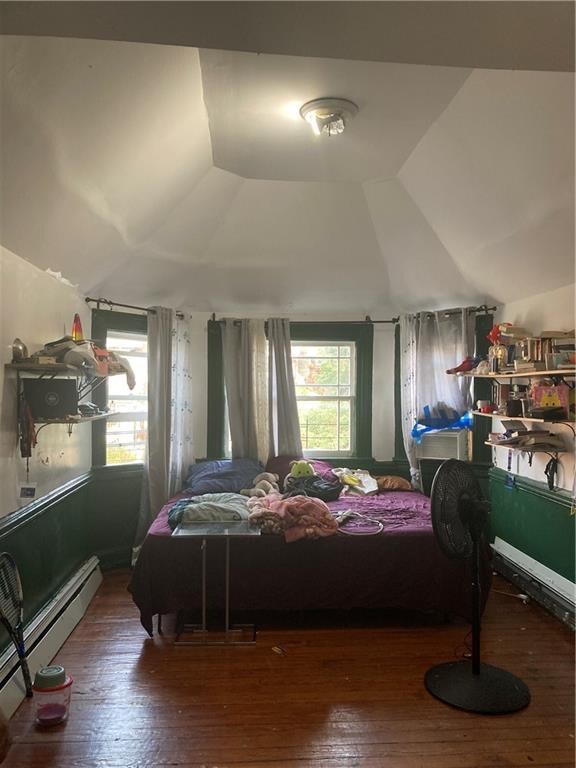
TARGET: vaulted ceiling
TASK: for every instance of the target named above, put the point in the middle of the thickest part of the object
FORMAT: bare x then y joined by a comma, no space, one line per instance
175,175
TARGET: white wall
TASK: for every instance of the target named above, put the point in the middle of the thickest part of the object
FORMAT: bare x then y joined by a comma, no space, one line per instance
37,308
553,310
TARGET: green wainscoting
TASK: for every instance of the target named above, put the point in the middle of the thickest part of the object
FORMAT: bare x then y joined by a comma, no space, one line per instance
94,514
114,503
49,539
535,520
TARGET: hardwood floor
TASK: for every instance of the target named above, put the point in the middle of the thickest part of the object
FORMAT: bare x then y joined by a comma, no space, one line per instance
302,696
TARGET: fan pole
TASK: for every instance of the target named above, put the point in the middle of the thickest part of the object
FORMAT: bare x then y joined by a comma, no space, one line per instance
476,604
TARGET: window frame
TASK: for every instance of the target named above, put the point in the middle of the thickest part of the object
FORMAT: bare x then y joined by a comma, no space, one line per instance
103,321
312,453
362,334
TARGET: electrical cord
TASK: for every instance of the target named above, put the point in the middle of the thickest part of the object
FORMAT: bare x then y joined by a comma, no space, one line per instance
345,516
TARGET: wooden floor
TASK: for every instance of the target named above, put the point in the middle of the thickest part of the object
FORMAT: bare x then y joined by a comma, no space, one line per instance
302,696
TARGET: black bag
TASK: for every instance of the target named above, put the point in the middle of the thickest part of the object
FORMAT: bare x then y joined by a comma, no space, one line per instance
314,486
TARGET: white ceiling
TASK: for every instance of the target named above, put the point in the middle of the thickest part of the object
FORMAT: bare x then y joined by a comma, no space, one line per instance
163,174
253,106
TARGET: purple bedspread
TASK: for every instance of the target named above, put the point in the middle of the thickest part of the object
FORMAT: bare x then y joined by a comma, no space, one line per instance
402,566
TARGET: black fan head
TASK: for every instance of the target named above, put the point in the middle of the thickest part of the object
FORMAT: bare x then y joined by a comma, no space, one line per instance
457,508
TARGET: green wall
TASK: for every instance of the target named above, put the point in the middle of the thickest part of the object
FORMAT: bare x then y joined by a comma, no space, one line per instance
535,520
95,514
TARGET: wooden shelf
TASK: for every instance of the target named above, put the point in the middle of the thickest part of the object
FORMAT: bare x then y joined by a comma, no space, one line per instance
527,419
519,375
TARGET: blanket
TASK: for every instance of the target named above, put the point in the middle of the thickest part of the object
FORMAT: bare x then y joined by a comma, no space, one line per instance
299,517
209,508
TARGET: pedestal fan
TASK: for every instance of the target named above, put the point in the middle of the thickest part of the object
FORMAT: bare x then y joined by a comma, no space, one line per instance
459,517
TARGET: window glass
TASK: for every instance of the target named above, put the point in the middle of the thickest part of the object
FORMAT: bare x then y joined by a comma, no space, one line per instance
324,380
126,433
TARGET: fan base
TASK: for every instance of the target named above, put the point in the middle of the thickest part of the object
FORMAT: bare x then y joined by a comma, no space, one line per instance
493,692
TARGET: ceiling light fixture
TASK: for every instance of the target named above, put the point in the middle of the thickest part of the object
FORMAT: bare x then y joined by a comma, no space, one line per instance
328,116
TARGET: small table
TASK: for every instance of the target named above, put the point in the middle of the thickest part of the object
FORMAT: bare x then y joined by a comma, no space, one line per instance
233,634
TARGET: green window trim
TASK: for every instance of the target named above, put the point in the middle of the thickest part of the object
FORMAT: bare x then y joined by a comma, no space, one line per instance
362,335
104,320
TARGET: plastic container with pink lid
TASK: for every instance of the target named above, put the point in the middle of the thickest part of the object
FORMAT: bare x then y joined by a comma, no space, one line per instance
52,690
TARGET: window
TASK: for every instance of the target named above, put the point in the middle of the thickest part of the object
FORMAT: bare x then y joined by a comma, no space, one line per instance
325,381
329,396
126,434
121,439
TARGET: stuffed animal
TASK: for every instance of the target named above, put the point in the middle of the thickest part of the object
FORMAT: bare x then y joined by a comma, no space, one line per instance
301,468
298,469
264,483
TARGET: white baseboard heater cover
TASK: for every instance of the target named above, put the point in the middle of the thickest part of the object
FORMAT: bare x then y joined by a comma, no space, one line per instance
554,581
47,632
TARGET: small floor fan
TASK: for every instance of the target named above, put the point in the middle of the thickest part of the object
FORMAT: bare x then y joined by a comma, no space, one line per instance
459,517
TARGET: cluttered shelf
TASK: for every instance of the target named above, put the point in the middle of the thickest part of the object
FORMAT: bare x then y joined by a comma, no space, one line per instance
53,384
525,449
528,419
519,375
59,368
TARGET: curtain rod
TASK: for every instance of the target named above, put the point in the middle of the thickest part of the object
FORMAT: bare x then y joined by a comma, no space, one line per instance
111,304
367,321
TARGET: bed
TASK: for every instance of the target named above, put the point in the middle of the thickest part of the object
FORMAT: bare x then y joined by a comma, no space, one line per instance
399,567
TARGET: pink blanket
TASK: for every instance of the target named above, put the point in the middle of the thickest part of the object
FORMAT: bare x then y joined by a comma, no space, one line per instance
300,517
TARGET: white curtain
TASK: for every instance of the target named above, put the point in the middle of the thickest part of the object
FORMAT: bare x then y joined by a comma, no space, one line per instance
431,343
155,486
408,375
444,339
181,432
170,442
245,376
284,425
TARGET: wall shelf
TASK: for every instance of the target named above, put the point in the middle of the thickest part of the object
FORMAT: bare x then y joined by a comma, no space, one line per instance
518,374
52,368
70,421
527,419
552,451
87,383
55,369
73,419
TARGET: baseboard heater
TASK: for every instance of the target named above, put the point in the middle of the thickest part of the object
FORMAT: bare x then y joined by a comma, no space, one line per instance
46,633
555,592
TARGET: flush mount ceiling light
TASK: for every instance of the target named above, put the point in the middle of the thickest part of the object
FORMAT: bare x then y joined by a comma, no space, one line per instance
328,116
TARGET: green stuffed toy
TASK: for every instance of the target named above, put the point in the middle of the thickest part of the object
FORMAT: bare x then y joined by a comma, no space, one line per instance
301,468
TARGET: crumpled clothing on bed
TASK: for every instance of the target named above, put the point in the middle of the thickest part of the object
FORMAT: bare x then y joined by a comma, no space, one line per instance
299,517
209,508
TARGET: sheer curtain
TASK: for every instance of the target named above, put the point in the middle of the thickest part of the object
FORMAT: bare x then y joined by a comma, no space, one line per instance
181,432
245,377
170,442
284,425
408,375
444,339
432,342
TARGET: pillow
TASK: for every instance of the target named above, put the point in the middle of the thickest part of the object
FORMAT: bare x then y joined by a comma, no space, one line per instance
222,476
323,469
393,483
